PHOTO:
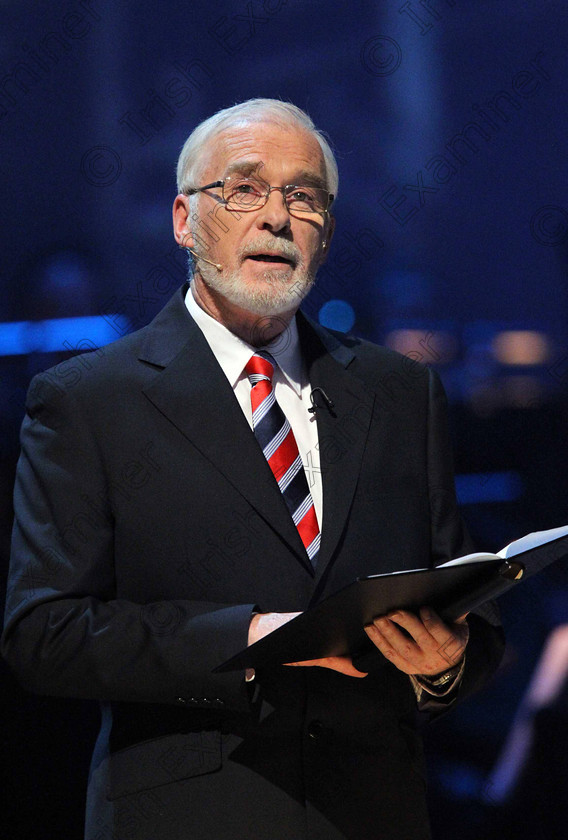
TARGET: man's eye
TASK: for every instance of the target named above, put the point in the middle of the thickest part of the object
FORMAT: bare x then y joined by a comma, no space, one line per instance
244,188
242,194
301,195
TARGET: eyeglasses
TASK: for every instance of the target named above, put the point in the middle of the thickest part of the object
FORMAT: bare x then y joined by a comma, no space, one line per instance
246,194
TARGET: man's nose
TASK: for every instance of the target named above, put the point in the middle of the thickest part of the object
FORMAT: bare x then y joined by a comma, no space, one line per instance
275,214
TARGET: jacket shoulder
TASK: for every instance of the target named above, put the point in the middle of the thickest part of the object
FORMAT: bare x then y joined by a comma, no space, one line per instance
127,360
367,359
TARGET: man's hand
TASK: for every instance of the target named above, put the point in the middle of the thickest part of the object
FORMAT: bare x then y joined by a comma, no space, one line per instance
429,647
264,623
342,664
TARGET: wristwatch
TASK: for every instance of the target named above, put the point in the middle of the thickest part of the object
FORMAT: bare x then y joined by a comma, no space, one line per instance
441,679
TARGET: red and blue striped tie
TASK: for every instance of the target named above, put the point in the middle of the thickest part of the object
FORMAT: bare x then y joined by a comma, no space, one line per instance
277,441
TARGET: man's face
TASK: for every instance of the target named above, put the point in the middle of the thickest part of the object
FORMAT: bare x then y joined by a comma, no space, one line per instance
269,258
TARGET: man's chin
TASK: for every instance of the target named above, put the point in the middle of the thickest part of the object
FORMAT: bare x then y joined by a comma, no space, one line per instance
274,299
268,294
265,304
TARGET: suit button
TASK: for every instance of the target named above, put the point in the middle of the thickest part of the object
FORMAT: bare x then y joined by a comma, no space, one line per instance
316,730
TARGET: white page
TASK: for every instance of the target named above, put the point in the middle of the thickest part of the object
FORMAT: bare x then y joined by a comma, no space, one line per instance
478,557
516,547
532,541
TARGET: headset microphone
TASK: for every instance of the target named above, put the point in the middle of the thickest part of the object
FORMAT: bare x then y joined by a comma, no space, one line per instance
218,266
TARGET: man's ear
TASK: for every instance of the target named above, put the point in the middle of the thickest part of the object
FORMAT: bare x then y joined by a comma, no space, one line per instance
328,235
182,221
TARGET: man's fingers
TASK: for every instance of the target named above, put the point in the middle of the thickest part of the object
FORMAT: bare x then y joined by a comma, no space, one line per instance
406,644
341,664
418,629
421,644
442,632
397,648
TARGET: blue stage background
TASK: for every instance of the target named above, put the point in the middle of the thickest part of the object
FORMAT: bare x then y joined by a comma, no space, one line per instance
449,121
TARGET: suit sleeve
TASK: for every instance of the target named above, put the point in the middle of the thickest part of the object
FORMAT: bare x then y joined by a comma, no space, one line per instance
449,539
66,633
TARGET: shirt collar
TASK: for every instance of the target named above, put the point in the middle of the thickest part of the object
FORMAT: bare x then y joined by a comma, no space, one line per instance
233,353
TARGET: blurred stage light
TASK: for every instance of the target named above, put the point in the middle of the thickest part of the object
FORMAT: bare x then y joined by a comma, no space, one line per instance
59,334
337,315
424,345
521,347
479,488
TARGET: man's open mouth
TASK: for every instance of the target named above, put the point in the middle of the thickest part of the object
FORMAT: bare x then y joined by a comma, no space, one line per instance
271,258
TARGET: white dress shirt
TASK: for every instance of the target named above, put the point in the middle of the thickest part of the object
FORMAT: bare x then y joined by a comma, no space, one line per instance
291,386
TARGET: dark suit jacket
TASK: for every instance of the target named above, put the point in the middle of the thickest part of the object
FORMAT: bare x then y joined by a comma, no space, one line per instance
149,527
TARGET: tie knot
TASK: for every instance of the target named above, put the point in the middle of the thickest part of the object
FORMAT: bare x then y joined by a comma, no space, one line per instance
259,367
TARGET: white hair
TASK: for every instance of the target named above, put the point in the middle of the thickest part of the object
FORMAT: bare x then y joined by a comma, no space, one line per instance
252,111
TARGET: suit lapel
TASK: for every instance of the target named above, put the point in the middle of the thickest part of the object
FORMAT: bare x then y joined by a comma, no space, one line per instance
193,393
342,431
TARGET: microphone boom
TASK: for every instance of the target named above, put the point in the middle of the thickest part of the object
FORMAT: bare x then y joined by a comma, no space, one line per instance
218,266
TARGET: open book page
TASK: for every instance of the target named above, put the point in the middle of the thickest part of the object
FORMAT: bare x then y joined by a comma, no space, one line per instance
516,547
478,557
532,541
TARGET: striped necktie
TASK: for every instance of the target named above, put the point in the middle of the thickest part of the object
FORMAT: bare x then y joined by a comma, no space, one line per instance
276,438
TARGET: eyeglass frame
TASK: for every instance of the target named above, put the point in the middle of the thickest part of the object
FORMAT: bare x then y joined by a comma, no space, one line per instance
221,183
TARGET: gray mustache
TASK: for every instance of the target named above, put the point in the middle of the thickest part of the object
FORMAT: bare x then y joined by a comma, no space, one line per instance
282,248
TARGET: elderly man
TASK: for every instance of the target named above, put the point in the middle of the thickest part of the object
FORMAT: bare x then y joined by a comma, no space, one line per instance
165,518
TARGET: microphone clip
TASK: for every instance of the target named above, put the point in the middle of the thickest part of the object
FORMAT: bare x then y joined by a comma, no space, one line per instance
326,400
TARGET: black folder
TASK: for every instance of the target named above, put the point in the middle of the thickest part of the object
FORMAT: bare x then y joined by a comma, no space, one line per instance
334,627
